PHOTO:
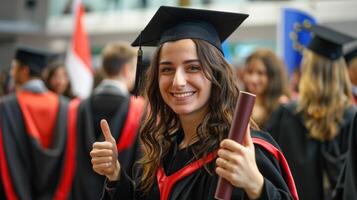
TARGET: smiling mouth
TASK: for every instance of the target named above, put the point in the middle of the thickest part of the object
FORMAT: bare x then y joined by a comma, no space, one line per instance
182,94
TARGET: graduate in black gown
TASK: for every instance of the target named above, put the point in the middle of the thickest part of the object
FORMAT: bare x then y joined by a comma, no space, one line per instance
313,131
36,153
347,186
265,76
351,60
192,92
112,101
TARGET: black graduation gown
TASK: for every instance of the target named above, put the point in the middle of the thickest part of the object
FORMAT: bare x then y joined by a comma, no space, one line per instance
28,169
347,186
106,104
200,184
308,158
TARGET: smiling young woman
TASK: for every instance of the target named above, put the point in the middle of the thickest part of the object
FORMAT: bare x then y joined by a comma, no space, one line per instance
184,131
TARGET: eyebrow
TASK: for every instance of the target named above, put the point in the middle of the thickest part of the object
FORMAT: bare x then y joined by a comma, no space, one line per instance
185,62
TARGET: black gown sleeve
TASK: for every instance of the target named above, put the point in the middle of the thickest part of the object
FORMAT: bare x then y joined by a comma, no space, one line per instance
122,189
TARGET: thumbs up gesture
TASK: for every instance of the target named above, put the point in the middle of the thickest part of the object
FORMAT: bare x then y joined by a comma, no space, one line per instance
105,155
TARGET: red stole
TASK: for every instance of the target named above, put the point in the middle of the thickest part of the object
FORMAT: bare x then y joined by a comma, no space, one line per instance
132,123
65,182
40,114
288,177
167,182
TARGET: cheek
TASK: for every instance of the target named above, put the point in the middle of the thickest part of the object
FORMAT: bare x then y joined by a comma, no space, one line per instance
163,86
207,88
247,78
53,81
265,81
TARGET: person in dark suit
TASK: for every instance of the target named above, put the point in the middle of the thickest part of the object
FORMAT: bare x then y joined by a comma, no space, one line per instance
112,101
36,153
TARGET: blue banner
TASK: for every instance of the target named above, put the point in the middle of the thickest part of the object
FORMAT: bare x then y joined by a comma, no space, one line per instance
295,36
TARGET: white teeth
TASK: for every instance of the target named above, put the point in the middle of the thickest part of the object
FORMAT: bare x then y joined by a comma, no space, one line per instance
184,94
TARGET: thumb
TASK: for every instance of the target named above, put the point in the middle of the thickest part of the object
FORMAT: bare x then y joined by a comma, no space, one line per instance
106,131
247,140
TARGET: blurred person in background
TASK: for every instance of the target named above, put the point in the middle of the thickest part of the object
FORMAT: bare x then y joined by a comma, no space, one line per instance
111,101
36,153
313,131
351,60
57,80
6,82
98,76
265,76
346,188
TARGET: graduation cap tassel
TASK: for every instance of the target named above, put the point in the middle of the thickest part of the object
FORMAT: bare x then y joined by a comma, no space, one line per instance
139,70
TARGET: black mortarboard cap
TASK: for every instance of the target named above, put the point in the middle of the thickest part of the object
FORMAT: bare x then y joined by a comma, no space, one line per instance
328,42
175,23
350,55
36,59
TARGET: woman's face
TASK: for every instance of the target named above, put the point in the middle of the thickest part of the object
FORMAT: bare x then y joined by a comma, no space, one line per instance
255,76
183,85
59,81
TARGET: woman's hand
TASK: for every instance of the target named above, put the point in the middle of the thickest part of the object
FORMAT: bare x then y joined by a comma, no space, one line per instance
236,163
105,155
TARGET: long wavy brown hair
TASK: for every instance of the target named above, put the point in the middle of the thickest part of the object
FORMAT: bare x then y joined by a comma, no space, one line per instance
161,121
325,93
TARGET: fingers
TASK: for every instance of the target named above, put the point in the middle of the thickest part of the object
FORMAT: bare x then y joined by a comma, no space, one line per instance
105,168
106,131
225,164
102,145
101,160
105,154
230,156
224,174
247,140
232,145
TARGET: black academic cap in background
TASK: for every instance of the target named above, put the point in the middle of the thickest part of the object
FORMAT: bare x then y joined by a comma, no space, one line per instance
328,42
36,59
351,54
175,23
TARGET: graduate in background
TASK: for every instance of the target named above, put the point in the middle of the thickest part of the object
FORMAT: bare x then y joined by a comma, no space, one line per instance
351,60
265,76
57,80
192,92
313,131
347,185
111,101
34,145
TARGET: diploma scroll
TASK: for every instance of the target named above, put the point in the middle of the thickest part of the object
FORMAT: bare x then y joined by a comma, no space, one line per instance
242,113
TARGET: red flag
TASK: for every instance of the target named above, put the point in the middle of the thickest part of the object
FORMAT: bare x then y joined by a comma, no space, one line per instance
78,59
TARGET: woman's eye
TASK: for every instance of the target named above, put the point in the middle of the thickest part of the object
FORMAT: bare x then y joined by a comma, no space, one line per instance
194,68
165,70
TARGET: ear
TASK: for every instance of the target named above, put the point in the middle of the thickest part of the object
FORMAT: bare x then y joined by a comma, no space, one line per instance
125,70
25,71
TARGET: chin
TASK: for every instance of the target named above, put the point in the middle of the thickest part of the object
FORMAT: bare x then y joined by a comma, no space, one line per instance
182,111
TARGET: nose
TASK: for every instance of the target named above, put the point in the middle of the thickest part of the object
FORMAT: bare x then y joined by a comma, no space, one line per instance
179,78
254,77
